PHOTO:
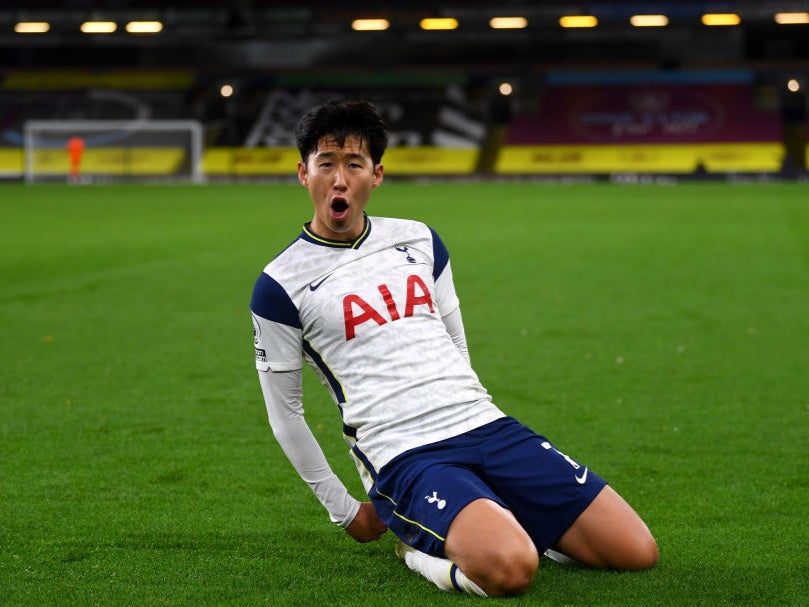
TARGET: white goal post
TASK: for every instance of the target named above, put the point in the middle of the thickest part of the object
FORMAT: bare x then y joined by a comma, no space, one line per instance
113,150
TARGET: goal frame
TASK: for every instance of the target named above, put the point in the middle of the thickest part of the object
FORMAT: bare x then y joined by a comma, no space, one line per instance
194,127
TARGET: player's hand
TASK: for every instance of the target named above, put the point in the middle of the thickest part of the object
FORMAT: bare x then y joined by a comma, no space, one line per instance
367,526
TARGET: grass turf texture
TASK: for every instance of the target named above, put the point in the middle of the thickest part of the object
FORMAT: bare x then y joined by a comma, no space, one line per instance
658,334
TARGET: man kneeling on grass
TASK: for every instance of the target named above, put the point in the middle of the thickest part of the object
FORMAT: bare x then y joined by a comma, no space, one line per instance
473,495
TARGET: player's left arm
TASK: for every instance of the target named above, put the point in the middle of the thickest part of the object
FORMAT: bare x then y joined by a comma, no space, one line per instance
447,301
454,324
453,320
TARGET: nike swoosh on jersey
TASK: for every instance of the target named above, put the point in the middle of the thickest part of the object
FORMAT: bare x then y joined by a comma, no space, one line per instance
315,285
583,478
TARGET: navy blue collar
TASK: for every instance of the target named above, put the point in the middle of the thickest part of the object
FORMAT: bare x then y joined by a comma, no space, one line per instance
309,236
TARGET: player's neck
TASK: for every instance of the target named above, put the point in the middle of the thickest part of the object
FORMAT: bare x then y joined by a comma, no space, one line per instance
348,236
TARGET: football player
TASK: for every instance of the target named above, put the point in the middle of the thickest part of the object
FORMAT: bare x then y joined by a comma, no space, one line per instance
474,496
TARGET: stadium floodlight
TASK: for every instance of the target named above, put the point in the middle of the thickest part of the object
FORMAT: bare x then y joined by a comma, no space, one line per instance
144,27
370,25
98,27
791,18
508,23
439,23
649,20
721,19
113,150
32,27
574,21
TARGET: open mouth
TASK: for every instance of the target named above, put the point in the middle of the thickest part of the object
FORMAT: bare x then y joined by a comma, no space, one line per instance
339,208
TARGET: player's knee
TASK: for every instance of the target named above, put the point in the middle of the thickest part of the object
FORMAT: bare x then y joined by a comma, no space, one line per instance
510,574
643,554
647,554
516,579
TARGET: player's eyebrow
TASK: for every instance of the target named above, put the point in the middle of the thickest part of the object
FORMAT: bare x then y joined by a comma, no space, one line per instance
330,154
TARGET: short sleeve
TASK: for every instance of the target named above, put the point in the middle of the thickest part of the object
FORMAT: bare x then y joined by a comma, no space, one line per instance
446,298
276,327
440,255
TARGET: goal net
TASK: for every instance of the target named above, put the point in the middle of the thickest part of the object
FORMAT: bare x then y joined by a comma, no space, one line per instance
91,151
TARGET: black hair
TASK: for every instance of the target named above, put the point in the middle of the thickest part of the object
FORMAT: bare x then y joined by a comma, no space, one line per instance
341,119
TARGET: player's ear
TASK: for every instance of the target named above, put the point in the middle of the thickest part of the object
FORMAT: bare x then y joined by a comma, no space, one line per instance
303,176
379,174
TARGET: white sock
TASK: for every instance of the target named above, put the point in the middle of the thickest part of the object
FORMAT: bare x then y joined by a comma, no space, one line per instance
441,572
560,558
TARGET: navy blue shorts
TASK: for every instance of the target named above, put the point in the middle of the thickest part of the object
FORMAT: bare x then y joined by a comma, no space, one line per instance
420,492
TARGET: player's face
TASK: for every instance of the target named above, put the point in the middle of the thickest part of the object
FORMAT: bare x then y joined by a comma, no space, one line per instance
339,180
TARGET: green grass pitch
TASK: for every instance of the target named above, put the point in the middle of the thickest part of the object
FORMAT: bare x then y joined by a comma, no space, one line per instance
658,334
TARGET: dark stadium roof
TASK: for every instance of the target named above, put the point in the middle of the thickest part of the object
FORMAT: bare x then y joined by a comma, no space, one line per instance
251,34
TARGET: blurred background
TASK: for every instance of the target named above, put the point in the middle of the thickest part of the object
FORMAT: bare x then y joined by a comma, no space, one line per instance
202,90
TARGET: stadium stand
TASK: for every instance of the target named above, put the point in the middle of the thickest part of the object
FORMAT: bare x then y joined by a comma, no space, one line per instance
684,100
650,123
578,123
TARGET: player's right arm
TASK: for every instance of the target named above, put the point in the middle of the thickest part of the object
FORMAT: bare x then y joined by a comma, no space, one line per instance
282,395
366,526
279,361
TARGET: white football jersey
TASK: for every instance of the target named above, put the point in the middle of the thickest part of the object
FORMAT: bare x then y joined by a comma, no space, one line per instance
366,315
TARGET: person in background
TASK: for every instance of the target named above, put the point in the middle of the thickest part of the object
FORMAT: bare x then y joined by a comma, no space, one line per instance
75,152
